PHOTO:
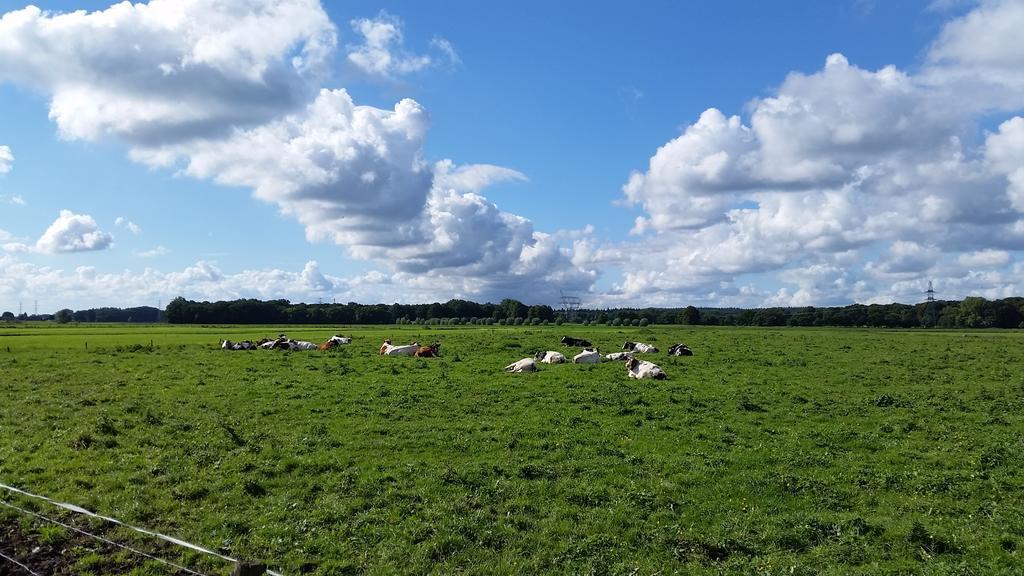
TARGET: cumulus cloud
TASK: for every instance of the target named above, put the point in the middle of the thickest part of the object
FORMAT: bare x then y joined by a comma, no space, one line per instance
9,243
382,51
351,174
984,259
6,159
72,232
907,258
228,91
1004,151
875,173
980,54
12,199
355,175
131,226
85,286
168,70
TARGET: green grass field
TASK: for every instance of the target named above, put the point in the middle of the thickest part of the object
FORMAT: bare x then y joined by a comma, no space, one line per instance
791,451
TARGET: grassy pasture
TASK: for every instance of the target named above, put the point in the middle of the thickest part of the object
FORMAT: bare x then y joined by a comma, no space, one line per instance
794,451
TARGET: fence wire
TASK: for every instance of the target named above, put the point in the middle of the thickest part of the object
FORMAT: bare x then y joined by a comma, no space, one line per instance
18,564
150,533
100,538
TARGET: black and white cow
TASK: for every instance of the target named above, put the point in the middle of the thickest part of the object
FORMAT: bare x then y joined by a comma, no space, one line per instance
680,350
570,341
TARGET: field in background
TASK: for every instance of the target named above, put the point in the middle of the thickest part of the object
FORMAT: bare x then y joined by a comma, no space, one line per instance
789,451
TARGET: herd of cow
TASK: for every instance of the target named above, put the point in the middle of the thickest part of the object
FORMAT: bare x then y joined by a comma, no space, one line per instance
283,342
635,367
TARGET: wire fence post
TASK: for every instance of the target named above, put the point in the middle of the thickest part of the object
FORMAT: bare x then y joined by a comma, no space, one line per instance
249,569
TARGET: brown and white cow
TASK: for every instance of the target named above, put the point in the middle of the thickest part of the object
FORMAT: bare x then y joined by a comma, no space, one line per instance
432,351
335,341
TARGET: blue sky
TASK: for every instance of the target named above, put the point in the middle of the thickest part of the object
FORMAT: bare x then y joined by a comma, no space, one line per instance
655,153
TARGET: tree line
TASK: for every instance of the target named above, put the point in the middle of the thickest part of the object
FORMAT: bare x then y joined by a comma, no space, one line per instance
146,314
972,312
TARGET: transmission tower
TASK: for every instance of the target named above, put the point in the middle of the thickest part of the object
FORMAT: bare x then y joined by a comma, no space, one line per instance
930,292
930,313
570,305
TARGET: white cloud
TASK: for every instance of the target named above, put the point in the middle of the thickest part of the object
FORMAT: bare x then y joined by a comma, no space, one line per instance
225,90
1004,150
13,199
131,226
355,175
351,174
72,232
85,286
979,55
907,258
447,49
153,252
382,52
984,259
168,70
10,243
875,173
6,159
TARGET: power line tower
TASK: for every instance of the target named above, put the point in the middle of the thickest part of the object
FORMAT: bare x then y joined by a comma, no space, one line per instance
931,316
570,305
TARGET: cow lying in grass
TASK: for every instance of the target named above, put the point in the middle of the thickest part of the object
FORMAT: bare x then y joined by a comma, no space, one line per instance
335,341
524,365
550,357
243,345
618,356
639,347
278,343
588,356
641,369
284,343
389,349
680,350
432,351
570,341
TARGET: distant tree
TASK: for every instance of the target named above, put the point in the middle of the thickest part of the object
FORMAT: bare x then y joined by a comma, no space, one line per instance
1005,314
513,308
644,322
177,311
976,312
7,315
690,315
63,316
